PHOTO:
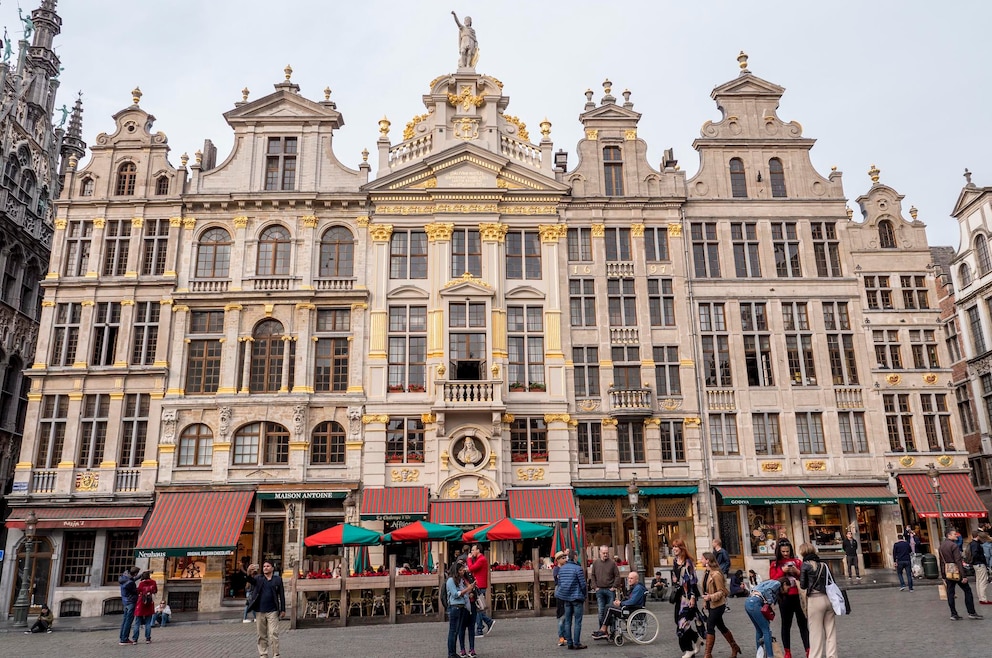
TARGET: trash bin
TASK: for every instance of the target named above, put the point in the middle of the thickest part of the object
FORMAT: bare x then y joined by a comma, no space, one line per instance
930,566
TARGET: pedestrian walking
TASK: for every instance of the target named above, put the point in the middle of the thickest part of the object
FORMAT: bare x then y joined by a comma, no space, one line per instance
604,578
788,566
952,571
268,598
144,610
254,615
572,590
129,598
468,624
820,611
987,549
902,557
478,566
722,557
561,557
850,546
715,593
765,592
686,613
978,561
457,589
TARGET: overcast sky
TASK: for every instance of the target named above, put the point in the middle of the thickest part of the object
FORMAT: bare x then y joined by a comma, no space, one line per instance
900,84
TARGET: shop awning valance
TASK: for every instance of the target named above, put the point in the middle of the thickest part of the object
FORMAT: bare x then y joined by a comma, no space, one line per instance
467,513
80,517
194,523
865,494
762,494
394,504
621,492
542,504
958,499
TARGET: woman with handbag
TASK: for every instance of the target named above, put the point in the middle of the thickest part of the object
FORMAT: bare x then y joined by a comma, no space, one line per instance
457,589
788,566
685,593
759,610
715,593
821,618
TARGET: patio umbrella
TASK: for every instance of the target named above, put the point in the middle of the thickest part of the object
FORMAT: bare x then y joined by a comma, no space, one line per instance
362,562
509,529
344,535
559,539
424,531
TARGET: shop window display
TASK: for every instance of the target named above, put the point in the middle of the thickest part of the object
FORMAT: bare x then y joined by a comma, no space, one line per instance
766,523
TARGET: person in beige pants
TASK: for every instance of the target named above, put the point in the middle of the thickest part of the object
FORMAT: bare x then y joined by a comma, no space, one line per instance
819,611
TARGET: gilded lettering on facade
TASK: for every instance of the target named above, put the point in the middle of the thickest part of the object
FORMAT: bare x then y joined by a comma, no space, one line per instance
529,210
439,231
404,210
466,208
493,232
381,232
241,221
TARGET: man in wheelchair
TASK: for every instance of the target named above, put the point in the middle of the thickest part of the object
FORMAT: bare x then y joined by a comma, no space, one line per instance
622,609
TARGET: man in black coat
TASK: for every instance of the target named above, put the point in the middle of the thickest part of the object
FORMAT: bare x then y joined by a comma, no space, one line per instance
268,598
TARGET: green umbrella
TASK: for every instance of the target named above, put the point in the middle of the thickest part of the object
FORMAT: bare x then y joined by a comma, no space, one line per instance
344,535
424,531
362,562
509,529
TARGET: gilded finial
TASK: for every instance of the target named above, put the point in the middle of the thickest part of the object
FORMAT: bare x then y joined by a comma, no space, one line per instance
873,173
199,156
73,161
850,213
545,128
384,126
365,155
244,95
607,86
742,60
184,158
327,93
288,71
833,168
136,95
913,212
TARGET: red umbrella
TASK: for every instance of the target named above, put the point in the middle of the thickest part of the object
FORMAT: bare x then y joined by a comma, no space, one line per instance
344,535
509,529
424,531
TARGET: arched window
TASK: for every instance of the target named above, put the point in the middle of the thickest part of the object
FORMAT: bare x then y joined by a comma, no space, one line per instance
213,255
162,185
127,174
246,441
738,185
982,254
273,252
43,201
196,446
886,235
337,253
11,272
327,444
266,357
11,171
276,444
29,281
777,175
10,385
249,438
964,273
25,189
86,187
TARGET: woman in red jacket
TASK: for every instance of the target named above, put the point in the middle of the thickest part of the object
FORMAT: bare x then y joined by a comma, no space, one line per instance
144,611
787,566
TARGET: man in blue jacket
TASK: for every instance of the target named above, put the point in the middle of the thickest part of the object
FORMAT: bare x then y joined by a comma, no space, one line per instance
902,556
571,590
129,597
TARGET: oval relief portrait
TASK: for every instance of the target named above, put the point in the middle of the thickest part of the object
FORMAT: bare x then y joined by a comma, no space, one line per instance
468,451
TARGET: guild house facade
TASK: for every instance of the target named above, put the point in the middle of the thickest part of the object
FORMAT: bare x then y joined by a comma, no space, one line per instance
240,353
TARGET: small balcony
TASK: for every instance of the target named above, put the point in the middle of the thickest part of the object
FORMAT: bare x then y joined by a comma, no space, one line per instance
334,284
630,402
127,479
849,397
624,336
465,394
618,268
43,481
210,285
272,283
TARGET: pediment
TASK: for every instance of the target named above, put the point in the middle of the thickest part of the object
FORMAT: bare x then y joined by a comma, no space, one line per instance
283,105
525,292
748,84
610,111
467,285
967,197
409,292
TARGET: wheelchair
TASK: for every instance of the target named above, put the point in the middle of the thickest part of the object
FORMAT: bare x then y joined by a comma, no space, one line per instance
639,625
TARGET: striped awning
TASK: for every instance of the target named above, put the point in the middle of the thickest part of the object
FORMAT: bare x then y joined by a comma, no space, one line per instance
542,504
865,494
958,499
80,517
467,513
394,504
621,492
194,523
762,494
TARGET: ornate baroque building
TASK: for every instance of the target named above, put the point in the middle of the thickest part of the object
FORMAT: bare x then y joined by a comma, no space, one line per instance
257,349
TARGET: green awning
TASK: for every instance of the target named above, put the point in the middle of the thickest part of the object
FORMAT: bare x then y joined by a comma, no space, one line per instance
621,492
762,494
865,494
182,552
669,491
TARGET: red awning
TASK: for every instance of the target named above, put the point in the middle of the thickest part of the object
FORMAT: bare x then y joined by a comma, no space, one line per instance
194,523
542,504
467,512
394,504
80,517
958,499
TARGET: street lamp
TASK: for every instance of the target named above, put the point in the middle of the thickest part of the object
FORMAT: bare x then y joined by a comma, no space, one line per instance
934,476
632,494
23,601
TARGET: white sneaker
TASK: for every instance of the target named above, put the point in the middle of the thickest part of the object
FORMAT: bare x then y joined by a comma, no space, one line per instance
689,654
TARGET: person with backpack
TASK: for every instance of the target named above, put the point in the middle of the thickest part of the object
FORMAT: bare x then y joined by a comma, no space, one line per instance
144,610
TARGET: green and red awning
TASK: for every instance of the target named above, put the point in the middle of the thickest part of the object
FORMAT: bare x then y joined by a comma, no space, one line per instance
344,534
424,531
509,529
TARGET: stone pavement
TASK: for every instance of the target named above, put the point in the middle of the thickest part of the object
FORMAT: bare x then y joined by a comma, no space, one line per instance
884,622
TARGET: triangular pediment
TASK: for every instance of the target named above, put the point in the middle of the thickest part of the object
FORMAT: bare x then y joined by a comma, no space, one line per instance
748,84
610,111
467,285
284,105
967,197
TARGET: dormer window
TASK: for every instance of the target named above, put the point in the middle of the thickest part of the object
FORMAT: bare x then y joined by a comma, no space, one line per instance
613,171
886,235
162,185
127,173
738,185
280,164
777,175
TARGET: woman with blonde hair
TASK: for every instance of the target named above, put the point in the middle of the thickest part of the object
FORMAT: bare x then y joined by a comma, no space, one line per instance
820,612
686,613
715,593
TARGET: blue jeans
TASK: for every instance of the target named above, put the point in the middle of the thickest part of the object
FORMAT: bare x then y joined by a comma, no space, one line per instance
161,619
572,625
908,568
147,623
127,620
604,599
762,629
468,628
481,618
456,620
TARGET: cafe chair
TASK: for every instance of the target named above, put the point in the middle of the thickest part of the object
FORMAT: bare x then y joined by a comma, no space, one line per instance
522,595
333,608
501,595
378,603
429,596
314,608
547,594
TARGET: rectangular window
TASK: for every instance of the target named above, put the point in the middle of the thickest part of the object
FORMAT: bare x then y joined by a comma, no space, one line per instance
899,422
51,430
914,292
280,164
528,440
405,440
716,346
661,302
203,362
407,346
757,346
523,255
840,344
134,429
809,433
582,304
630,441
155,247
466,252
744,236
951,339
93,430
613,171
617,244
586,371
767,435
723,435
705,250
622,302
937,422
65,337
923,344
116,243
853,435
666,370
408,255
655,244
785,243
799,344
977,334
626,367
986,380
525,343
120,554
966,411
78,240
672,442
878,294
590,436
826,249
579,244
332,351
77,558
887,353
145,331
106,327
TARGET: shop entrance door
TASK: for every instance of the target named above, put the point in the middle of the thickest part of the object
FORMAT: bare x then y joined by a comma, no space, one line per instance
871,545
728,519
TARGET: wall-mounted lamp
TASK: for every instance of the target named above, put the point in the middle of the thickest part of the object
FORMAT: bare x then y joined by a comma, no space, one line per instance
759,176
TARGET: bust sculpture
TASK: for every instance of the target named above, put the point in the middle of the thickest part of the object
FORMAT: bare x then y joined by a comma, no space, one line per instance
469,454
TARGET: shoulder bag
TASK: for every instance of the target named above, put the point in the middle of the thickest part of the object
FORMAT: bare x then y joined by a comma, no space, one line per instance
838,597
951,571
